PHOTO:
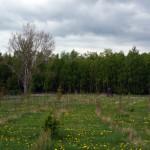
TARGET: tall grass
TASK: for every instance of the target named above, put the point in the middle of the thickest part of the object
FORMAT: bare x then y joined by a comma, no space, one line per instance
43,142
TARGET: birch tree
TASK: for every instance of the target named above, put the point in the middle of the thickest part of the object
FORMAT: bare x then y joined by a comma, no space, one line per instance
30,47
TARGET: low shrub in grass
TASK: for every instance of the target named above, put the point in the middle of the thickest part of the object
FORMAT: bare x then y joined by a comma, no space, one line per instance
51,123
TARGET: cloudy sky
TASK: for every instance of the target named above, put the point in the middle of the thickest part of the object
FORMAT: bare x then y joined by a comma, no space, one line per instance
83,25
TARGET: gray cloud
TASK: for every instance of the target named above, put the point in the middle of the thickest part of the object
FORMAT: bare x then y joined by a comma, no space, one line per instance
109,23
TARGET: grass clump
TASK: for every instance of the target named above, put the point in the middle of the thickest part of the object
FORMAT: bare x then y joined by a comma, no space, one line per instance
43,142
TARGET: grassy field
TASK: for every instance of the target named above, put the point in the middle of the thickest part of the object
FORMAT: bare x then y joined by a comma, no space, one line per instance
87,122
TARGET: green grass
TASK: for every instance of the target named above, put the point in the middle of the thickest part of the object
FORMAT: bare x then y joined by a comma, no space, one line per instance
80,127
21,133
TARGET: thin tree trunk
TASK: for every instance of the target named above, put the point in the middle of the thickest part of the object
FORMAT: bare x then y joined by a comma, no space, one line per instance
25,86
26,82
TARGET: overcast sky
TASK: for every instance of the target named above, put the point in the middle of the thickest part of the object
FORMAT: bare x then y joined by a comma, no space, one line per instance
83,25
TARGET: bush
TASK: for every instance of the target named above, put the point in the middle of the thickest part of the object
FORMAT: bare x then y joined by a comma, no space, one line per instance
51,123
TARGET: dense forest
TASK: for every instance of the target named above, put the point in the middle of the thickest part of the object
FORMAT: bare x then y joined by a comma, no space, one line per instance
82,73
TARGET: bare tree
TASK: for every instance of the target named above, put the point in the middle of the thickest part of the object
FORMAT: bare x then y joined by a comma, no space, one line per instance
27,46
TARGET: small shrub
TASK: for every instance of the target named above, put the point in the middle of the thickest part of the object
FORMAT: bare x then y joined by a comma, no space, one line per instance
59,93
51,123
131,109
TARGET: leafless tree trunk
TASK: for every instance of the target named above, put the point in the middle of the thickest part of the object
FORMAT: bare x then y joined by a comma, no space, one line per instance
30,47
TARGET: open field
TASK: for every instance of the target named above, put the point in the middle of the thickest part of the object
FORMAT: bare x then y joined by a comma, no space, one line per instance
88,121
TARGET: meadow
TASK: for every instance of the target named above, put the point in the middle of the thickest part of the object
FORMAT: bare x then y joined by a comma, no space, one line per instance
87,121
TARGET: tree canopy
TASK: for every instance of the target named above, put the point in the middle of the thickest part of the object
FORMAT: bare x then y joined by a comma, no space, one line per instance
83,73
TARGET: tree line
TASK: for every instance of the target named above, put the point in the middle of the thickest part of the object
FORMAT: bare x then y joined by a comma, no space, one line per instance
82,73
30,66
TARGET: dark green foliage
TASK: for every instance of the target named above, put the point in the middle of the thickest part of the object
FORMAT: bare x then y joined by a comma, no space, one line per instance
51,123
87,73
131,109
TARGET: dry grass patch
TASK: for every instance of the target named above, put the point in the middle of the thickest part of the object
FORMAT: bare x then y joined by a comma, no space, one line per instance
107,119
133,137
59,112
7,119
98,110
43,142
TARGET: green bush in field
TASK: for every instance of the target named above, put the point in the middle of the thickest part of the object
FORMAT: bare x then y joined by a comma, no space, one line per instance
51,123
